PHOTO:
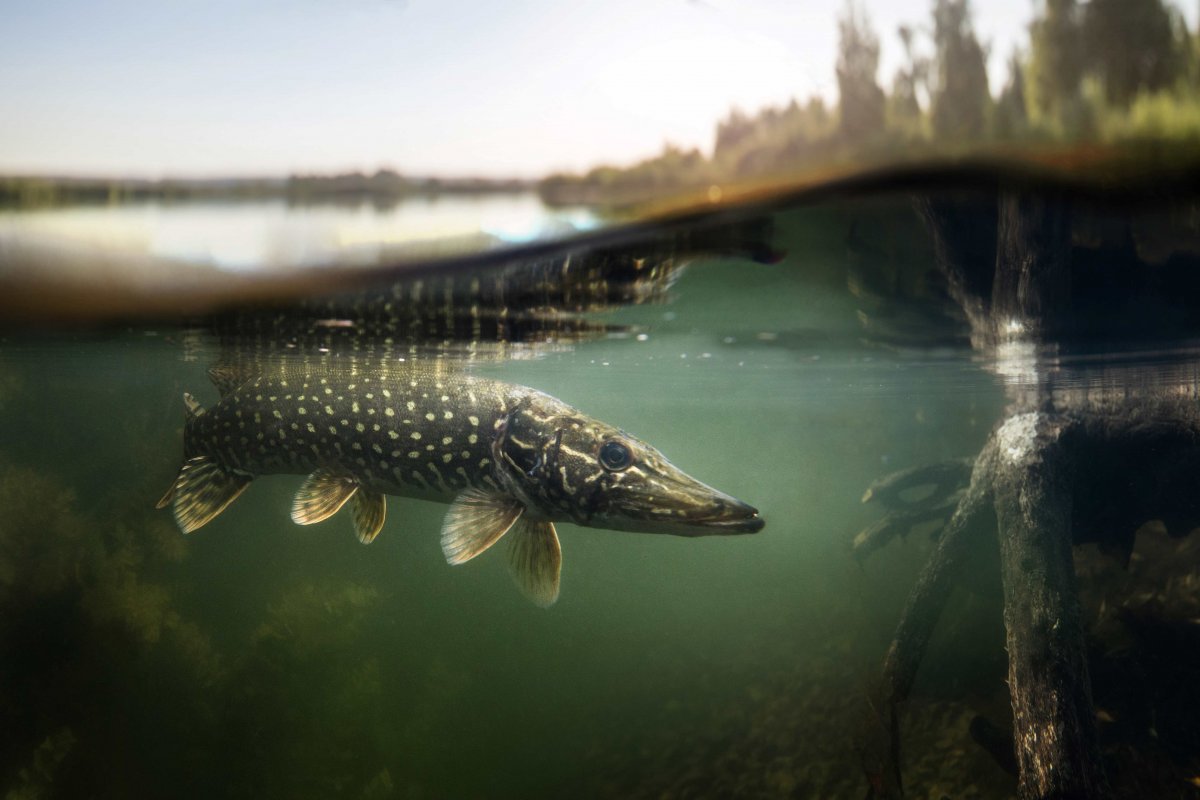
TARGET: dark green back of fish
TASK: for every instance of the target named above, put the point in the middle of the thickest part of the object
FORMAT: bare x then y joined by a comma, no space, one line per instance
416,433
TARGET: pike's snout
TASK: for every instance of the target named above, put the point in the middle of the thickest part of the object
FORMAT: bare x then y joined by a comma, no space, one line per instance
722,514
733,516
690,508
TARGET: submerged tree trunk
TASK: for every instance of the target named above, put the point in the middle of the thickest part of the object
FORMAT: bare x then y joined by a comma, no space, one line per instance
1054,721
1054,724
1012,280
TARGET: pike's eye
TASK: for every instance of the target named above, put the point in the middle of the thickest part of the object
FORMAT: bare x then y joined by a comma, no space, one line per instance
615,455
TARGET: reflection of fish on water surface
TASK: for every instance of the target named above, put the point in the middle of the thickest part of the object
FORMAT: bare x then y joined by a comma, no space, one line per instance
509,460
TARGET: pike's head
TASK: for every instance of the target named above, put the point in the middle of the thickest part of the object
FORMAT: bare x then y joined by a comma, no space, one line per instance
565,466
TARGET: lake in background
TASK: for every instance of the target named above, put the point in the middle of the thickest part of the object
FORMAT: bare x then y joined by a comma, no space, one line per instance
275,234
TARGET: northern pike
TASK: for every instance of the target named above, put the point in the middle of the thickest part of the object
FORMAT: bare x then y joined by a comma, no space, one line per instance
510,460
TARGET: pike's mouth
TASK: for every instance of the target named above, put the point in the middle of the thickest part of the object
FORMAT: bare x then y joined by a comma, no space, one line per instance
719,517
739,518
751,524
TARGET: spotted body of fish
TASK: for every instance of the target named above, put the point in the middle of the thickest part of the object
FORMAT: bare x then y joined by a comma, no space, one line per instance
509,459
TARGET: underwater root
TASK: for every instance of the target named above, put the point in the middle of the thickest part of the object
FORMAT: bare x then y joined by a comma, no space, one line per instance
1043,482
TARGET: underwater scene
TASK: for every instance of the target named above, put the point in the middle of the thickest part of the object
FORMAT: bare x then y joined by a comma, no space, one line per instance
884,488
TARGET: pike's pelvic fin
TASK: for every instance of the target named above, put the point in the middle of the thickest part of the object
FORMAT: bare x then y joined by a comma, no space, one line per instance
535,558
203,490
475,521
368,510
320,496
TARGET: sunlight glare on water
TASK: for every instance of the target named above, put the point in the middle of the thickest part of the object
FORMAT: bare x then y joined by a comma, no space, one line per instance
257,235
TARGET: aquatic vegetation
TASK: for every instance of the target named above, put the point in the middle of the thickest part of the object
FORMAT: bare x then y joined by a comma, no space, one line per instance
303,697
92,623
41,539
36,781
84,613
315,618
11,384
120,594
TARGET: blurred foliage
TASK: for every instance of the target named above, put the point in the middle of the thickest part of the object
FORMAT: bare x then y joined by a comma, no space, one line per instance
1133,46
37,779
1055,61
1011,115
382,188
1166,114
960,94
108,688
1110,72
88,623
31,192
332,739
862,100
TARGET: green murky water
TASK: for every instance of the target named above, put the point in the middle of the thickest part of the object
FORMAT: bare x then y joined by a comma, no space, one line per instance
256,657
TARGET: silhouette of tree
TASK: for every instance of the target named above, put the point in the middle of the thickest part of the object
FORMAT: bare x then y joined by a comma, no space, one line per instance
1011,118
960,93
904,104
732,131
1133,45
862,100
1056,59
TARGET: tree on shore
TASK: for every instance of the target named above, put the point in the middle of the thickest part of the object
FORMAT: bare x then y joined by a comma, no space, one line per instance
1055,62
904,112
1133,46
960,94
1109,71
862,99
1011,119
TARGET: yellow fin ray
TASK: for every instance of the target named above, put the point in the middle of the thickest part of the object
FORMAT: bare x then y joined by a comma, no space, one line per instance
368,510
535,558
203,490
476,520
321,495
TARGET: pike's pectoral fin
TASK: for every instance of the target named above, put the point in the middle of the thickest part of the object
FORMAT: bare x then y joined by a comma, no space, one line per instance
320,496
475,521
535,557
203,490
368,510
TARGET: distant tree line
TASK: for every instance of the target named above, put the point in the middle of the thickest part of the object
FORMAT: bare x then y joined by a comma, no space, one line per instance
28,192
1113,71
387,185
382,188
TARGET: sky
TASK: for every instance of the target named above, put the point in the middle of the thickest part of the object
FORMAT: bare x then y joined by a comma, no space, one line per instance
207,88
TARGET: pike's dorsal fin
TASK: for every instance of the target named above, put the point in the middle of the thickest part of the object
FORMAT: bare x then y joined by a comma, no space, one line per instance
191,407
475,521
535,557
368,510
226,378
203,490
320,496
